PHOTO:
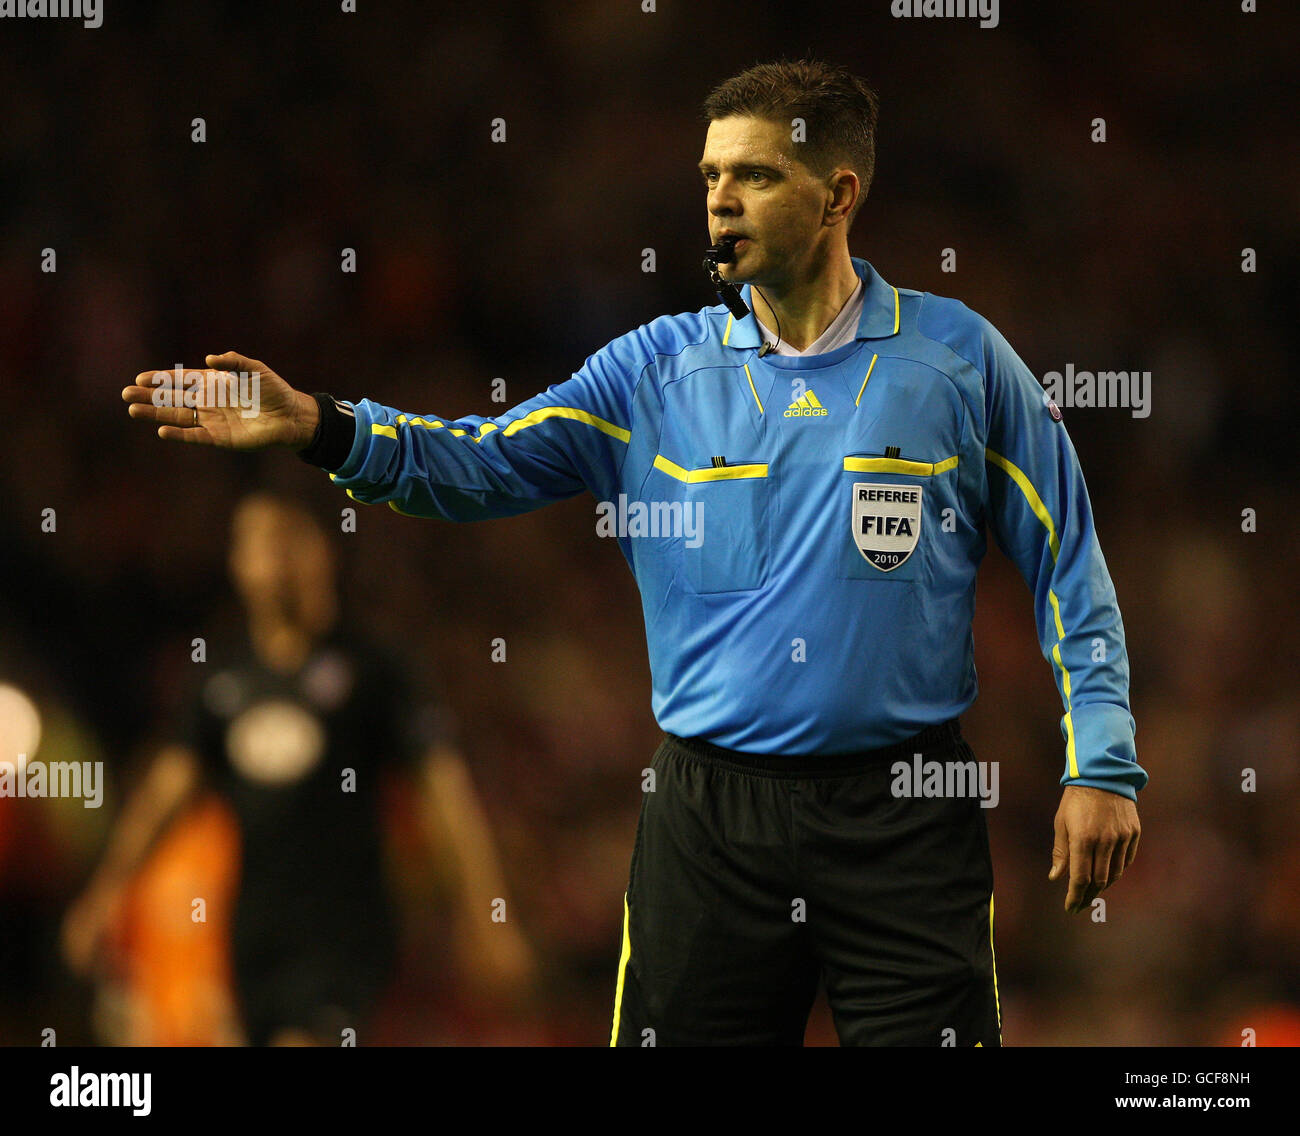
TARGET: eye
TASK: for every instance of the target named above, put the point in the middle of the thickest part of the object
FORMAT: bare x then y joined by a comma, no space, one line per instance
757,174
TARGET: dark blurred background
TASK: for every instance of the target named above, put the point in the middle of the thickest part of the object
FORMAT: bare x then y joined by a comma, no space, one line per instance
516,260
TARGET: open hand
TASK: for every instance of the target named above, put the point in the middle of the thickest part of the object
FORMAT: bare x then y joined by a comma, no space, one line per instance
236,403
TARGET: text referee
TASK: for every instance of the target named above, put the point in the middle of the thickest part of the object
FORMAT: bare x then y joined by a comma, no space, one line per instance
820,474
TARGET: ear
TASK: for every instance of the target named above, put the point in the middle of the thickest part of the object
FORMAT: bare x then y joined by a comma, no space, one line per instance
842,188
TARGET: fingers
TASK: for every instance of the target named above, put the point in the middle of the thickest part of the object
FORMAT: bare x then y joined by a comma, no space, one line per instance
163,415
1074,856
1113,854
233,361
170,388
1103,856
179,400
1112,858
1097,837
1094,865
1122,855
191,385
1131,852
1081,882
144,387
1060,851
193,434
1108,863
176,423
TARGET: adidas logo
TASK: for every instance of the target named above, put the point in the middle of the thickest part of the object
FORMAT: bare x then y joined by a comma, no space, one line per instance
806,406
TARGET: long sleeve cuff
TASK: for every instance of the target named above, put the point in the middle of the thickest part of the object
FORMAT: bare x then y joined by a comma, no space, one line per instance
1099,747
335,433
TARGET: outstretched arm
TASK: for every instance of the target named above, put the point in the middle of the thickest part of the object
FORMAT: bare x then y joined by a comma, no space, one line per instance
572,436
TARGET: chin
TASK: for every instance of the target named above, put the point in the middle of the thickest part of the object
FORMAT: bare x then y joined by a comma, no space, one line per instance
740,276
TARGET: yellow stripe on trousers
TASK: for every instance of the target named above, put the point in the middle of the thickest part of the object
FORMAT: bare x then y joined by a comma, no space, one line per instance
622,971
996,1001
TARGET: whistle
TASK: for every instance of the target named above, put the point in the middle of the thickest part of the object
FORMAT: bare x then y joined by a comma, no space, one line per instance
724,252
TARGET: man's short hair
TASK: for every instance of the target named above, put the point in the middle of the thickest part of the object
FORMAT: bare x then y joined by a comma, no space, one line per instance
839,111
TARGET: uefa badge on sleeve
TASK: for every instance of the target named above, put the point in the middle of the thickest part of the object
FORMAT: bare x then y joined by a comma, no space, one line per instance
1050,404
886,522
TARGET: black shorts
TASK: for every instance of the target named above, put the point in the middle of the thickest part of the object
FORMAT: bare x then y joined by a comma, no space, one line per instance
753,877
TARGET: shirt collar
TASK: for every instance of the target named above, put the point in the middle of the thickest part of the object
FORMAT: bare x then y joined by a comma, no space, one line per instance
880,312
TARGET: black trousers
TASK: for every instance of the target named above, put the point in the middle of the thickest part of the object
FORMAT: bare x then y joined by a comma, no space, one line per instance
753,877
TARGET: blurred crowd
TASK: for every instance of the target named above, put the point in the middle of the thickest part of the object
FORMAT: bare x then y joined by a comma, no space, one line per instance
479,260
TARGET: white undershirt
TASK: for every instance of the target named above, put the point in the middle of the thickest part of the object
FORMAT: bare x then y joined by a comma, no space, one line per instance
843,328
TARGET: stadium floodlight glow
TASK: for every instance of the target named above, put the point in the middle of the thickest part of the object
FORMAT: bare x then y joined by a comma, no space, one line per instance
20,725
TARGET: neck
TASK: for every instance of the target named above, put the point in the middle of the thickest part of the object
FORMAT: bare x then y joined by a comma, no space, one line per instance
799,311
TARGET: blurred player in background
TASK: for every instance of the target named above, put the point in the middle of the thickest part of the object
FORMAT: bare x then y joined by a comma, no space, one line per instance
294,728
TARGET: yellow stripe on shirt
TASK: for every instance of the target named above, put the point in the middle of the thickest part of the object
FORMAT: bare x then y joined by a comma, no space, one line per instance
1053,541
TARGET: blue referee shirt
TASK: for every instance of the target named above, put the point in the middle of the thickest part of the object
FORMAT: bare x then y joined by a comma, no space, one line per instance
804,531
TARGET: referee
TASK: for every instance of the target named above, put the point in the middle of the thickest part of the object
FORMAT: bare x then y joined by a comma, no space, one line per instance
818,476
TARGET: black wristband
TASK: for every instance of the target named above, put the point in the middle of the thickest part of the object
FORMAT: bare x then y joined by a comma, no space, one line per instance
335,432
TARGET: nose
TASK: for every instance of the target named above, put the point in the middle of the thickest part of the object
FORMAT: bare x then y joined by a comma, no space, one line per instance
722,199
